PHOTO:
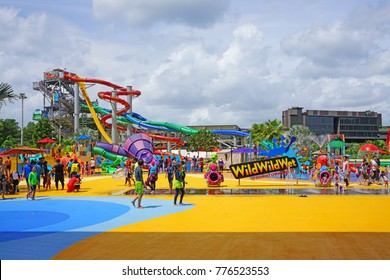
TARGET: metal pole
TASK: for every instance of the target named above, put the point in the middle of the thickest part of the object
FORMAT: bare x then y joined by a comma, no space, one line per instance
76,108
22,96
130,100
114,132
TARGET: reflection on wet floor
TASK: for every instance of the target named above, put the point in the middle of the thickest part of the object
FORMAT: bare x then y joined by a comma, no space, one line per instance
273,191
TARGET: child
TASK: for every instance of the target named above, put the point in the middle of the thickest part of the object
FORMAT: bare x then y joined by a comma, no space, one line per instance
336,177
169,175
15,177
384,179
33,182
340,188
129,175
77,183
74,183
87,168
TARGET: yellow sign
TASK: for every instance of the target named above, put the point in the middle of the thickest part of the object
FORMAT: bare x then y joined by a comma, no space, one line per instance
255,168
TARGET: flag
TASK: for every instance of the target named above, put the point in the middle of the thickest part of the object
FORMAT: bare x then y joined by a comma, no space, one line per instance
388,140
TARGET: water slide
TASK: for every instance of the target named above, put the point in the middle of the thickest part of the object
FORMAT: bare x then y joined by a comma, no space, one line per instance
139,120
120,91
124,116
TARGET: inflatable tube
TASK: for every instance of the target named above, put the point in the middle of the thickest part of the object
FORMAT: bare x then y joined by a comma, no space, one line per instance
325,180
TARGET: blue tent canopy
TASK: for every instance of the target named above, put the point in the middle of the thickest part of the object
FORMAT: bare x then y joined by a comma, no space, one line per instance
83,137
245,150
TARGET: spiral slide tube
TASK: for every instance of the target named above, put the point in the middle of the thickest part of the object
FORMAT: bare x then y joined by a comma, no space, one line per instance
105,96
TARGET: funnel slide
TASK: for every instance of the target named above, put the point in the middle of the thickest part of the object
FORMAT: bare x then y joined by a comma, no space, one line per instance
140,146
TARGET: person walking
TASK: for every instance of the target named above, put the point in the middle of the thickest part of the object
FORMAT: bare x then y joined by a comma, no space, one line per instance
169,175
346,169
139,184
8,164
58,170
153,176
92,165
3,177
33,181
178,184
26,172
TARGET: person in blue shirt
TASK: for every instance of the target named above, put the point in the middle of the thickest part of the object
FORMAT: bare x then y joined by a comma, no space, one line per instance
153,176
26,172
169,175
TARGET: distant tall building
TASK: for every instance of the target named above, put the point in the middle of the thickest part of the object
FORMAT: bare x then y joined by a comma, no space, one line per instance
356,126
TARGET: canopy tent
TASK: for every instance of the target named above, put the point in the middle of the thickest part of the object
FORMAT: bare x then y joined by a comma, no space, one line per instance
245,150
336,144
23,151
216,149
83,137
46,140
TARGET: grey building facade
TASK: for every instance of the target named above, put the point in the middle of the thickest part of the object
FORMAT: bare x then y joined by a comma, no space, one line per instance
357,126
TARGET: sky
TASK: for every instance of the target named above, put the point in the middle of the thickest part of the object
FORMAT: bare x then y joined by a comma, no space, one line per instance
202,62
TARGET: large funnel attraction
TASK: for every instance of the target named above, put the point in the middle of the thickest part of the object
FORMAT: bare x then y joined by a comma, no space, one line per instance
140,146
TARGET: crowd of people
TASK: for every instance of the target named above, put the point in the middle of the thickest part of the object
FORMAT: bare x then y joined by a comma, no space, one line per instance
38,174
367,173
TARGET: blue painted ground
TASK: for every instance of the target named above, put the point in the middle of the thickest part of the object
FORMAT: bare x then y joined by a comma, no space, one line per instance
41,228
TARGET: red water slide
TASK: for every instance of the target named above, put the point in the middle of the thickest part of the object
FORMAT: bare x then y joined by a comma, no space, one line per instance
120,91
107,95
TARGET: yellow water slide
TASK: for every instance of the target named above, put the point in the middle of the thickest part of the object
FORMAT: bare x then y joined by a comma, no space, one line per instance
93,113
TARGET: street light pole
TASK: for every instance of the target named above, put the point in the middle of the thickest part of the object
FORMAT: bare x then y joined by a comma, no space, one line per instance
22,96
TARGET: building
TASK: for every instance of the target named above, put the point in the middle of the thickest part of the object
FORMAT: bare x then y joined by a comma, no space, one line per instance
229,140
357,126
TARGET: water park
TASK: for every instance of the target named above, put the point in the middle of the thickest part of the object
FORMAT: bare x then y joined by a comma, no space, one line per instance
265,201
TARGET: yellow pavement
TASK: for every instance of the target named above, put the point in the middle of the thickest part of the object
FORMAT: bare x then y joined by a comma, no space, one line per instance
242,226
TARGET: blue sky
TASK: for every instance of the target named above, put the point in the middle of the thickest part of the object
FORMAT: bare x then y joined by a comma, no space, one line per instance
205,62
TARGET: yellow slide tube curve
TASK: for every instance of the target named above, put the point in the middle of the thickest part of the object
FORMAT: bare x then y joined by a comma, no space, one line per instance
93,113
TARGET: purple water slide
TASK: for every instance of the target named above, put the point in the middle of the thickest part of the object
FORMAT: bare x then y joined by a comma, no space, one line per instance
115,149
140,146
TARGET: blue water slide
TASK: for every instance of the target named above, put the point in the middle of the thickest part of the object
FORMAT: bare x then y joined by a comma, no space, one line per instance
141,122
230,132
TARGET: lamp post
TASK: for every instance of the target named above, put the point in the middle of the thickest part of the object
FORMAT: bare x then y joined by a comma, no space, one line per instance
22,96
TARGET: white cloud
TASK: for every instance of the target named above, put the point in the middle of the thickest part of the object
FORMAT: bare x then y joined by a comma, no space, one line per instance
197,13
240,68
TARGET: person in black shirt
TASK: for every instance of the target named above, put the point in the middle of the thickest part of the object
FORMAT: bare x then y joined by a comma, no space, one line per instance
58,170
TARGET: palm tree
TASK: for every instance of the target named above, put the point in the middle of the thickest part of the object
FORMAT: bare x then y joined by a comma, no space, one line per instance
302,133
275,129
6,92
267,131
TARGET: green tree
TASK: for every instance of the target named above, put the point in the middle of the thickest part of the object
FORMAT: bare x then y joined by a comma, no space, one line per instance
6,92
9,131
267,131
28,133
10,142
32,133
94,134
302,133
203,140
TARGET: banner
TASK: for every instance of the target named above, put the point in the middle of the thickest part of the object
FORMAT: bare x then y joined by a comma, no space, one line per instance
255,168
